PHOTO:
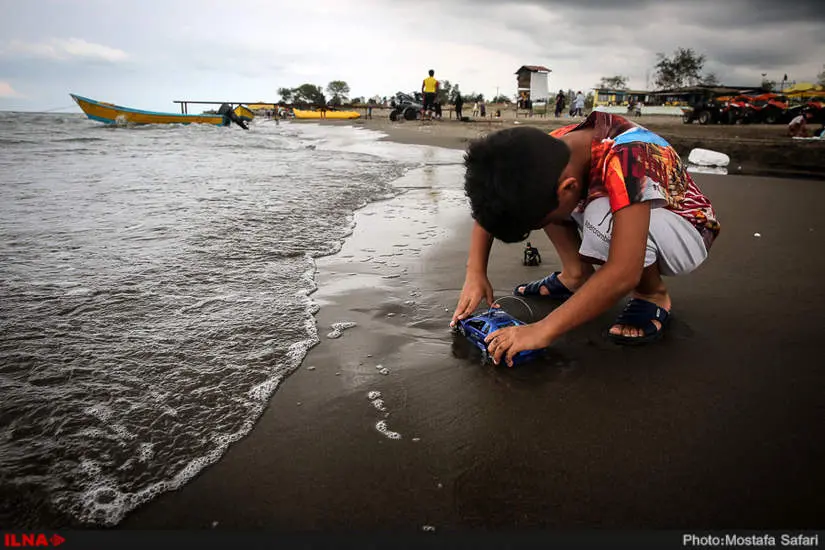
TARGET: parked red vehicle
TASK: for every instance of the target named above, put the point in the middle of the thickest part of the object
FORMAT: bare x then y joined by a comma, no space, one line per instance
767,108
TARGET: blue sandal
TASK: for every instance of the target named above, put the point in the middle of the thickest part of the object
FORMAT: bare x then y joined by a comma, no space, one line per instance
640,314
556,288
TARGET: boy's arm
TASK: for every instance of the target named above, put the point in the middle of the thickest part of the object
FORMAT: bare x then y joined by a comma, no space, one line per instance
476,284
618,276
480,244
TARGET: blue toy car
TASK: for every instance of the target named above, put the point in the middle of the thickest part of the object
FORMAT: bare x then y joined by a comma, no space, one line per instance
478,327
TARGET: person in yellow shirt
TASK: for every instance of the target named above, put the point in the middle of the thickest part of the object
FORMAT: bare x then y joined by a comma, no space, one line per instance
429,87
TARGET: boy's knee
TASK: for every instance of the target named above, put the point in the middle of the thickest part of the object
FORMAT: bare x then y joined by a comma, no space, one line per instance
585,259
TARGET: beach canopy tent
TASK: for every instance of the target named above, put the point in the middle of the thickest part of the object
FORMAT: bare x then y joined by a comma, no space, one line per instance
805,89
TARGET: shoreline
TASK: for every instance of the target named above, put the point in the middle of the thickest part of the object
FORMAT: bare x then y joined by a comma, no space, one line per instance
682,434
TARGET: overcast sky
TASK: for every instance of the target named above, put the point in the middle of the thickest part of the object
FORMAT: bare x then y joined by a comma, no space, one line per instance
146,53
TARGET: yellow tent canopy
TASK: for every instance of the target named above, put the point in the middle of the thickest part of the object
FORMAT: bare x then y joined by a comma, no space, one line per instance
261,106
806,93
803,88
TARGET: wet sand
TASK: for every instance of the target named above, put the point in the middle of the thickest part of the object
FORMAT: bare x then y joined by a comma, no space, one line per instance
717,426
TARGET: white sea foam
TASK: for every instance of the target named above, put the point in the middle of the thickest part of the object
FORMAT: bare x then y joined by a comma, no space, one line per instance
382,428
361,140
339,328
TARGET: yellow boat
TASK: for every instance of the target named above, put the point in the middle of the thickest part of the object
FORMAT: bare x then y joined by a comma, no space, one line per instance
110,113
328,114
244,113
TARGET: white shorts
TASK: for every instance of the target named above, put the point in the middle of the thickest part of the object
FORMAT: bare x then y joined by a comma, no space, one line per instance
671,240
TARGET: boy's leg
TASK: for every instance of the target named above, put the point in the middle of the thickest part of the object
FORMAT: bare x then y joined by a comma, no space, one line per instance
574,270
674,247
652,288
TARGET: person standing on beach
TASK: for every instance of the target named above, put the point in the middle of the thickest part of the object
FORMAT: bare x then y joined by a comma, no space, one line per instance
429,87
459,104
578,104
606,192
559,103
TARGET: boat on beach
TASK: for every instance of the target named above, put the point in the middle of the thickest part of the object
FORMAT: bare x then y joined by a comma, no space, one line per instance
109,113
328,114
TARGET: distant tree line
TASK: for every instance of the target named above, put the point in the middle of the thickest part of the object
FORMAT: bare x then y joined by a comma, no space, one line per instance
684,67
337,94
312,94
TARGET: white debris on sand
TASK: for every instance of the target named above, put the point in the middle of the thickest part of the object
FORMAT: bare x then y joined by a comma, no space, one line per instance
706,157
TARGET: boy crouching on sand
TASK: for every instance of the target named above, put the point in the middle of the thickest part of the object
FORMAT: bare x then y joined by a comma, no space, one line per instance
606,192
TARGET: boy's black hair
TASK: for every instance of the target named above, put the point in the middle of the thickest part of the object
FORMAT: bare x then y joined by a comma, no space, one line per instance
432,72
511,179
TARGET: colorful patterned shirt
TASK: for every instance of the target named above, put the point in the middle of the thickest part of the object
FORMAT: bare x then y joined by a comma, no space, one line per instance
630,164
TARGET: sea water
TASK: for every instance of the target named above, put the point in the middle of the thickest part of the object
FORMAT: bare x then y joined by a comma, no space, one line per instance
155,289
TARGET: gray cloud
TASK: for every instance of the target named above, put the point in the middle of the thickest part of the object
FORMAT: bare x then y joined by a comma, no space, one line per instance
176,48
736,37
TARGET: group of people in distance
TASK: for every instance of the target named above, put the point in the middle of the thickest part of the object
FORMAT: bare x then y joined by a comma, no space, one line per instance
432,107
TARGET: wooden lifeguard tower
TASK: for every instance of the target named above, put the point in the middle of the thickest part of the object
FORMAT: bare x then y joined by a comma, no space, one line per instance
532,83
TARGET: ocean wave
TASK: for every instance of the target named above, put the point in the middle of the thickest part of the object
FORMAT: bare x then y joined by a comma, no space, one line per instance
145,332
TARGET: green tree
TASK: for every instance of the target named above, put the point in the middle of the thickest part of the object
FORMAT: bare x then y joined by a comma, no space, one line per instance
617,82
309,93
710,80
768,85
820,78
445,90
286,94
454,94
588,101
339,90
502,99
682,69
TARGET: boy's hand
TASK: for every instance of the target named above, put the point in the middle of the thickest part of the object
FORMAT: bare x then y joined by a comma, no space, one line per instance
506,342
476,287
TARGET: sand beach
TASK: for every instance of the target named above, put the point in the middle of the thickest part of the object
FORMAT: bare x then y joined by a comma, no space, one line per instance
394,424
